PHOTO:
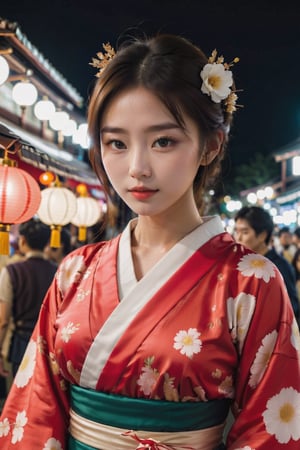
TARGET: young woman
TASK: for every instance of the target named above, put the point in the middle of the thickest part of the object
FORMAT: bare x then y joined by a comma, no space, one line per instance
145,341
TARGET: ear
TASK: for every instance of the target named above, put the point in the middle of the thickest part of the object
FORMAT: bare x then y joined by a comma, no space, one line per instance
212,148
262,236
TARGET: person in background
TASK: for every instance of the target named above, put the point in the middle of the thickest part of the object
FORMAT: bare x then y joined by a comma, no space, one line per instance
23,285
254,229
15,255
296,265
286,246
56,255
296,237
145,340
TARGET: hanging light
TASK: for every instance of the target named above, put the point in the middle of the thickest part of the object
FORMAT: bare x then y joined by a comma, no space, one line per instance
4,70
57,208
69,128
58,120
20,197
81,136
44,109
46,178
88,212
24,93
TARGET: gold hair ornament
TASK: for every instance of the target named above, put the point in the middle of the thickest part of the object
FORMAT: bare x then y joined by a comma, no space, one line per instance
103,58
217,81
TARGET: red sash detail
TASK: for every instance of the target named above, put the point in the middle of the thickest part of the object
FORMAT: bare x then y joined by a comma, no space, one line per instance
179,284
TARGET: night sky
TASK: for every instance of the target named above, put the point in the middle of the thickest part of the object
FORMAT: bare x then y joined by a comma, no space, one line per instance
264,34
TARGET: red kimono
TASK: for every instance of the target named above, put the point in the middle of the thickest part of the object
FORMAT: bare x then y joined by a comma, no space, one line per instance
211,320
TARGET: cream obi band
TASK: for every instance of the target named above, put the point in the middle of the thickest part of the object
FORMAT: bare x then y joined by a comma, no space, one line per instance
98,436
113,422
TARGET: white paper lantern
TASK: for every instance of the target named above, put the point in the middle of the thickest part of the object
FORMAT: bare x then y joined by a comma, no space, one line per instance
57,208
44,109
88,213
58,120
24,93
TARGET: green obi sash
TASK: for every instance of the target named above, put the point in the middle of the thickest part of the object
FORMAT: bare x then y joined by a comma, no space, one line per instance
145,414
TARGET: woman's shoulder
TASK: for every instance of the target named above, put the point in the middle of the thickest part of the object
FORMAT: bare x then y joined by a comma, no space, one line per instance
88,251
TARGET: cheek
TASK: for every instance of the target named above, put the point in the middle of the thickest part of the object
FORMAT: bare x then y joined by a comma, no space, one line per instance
112,167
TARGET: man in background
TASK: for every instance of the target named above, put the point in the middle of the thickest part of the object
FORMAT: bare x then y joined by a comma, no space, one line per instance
286,247
254,229
23,285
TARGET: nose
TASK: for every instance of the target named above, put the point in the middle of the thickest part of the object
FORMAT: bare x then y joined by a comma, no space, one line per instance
237,236
139,165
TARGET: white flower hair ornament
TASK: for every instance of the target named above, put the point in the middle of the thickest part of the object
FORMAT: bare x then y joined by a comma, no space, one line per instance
218,81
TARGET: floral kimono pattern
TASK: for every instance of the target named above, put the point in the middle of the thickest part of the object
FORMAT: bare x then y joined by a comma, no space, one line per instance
211,320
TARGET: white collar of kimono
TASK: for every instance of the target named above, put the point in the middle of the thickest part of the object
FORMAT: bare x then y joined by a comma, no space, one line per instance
135,294
210,227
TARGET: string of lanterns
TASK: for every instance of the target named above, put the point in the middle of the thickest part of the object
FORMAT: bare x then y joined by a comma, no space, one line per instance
21,198
20,195
25,94
59,206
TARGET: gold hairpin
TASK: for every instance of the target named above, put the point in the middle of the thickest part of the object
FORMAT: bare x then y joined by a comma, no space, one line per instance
103,58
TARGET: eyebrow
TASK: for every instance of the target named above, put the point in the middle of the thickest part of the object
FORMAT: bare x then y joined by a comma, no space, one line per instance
158,127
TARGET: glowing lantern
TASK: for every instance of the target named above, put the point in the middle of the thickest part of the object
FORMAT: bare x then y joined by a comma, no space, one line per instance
24,93
57,208
88,212
46,178
20,197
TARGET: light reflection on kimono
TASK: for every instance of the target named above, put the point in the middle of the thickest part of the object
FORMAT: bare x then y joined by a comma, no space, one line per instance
211,322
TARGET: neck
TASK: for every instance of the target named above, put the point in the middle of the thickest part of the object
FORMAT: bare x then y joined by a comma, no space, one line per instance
151,232
263,249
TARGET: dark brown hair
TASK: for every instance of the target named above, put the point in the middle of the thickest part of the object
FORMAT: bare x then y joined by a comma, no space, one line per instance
169,66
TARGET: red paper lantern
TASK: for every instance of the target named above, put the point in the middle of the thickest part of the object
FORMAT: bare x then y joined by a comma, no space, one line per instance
20,197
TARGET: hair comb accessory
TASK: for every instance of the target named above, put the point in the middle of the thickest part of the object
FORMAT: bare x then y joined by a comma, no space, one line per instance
217,81
103,58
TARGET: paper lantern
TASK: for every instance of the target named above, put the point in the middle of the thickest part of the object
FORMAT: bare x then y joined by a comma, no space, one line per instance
46,178
20,197
88,213
57,208
24,93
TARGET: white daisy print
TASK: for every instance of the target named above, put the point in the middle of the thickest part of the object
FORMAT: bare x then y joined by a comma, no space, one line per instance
257,265
239,312
295,336
70,271
282,416
4,427
27,365
188,342
67,331
52,444
262,358
148,377
18,430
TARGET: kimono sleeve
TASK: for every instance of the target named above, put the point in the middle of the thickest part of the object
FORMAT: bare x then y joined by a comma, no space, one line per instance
267,400
35,414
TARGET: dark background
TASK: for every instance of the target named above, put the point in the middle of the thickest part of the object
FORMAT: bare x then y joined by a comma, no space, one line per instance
263,34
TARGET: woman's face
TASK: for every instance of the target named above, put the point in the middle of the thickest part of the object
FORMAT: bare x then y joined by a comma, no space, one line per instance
150,161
